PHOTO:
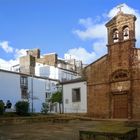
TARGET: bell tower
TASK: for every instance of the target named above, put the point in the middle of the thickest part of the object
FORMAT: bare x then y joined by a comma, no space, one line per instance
121,40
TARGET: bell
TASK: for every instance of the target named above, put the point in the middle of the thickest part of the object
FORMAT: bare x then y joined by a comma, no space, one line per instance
125,33
115,36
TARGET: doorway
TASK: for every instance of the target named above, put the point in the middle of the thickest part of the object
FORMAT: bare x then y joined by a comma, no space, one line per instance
120,105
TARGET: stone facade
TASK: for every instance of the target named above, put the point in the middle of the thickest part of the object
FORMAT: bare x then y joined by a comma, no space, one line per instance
113,81
28,62
49,59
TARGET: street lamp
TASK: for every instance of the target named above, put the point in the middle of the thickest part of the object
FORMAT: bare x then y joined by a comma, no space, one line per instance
32,102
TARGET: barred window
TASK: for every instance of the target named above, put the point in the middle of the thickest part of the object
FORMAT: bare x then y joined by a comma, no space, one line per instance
24,81
76,95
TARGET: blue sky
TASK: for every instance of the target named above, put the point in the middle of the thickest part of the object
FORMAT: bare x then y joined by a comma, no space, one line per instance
74,27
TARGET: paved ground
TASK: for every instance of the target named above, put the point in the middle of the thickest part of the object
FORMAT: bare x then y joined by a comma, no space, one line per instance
49,131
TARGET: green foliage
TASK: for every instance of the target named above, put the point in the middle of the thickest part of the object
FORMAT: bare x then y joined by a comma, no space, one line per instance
22,108
1,107
45,108
57,97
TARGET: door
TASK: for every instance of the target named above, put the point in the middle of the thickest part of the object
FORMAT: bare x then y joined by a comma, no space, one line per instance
120,107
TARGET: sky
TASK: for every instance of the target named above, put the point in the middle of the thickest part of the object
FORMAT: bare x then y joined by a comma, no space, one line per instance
70,28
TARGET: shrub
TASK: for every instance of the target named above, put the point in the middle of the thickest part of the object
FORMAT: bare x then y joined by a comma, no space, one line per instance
45,108
1,107
22,108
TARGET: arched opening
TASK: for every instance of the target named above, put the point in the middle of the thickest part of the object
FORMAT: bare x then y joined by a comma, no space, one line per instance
125,32
115,35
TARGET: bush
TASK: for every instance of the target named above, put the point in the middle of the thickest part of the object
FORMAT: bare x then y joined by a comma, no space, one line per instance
22,108
45,108
1,107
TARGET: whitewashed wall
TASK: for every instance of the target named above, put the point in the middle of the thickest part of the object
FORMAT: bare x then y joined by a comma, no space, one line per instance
75,107
10,87
40,87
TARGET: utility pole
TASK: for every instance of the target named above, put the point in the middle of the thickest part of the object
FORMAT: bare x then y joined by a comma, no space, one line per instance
32,104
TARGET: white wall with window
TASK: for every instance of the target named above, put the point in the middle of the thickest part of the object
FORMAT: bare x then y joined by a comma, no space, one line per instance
75,97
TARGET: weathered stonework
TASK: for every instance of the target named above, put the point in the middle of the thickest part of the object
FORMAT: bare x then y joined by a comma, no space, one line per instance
27,64
113,81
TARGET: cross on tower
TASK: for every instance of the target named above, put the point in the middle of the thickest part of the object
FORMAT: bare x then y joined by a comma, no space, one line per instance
120,7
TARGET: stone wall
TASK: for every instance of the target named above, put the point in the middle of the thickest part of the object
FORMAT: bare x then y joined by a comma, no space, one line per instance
98,88
136,99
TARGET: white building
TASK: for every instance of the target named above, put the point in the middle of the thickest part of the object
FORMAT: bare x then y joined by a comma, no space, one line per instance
55,72
47,71
15,86
74,96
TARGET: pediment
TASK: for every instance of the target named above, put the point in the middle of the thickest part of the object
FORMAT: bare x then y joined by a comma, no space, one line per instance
119,18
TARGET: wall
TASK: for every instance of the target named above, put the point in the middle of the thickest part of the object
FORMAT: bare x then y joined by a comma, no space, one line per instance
10,87
98,88
75,107
40,87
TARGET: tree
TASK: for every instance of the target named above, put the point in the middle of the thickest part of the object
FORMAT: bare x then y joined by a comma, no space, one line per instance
57,97
45,108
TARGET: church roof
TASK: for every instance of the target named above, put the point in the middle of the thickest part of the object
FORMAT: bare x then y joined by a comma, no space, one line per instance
80,79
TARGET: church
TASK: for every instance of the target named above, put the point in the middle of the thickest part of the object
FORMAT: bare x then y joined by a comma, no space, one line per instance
113,81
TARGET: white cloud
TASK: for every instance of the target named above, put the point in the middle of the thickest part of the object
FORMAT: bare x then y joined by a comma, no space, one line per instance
95,30
7,64
80,54
99,48
86,22
5,46
19,53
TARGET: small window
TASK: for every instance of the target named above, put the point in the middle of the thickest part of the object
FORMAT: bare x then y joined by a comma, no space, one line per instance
48,95
76,97
66,101
47,85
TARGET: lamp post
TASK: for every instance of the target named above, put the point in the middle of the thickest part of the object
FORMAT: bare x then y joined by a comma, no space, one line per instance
32,103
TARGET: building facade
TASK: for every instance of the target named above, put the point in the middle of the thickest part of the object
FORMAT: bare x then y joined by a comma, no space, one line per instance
49,65
58,73
113,81
16,86
74,96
